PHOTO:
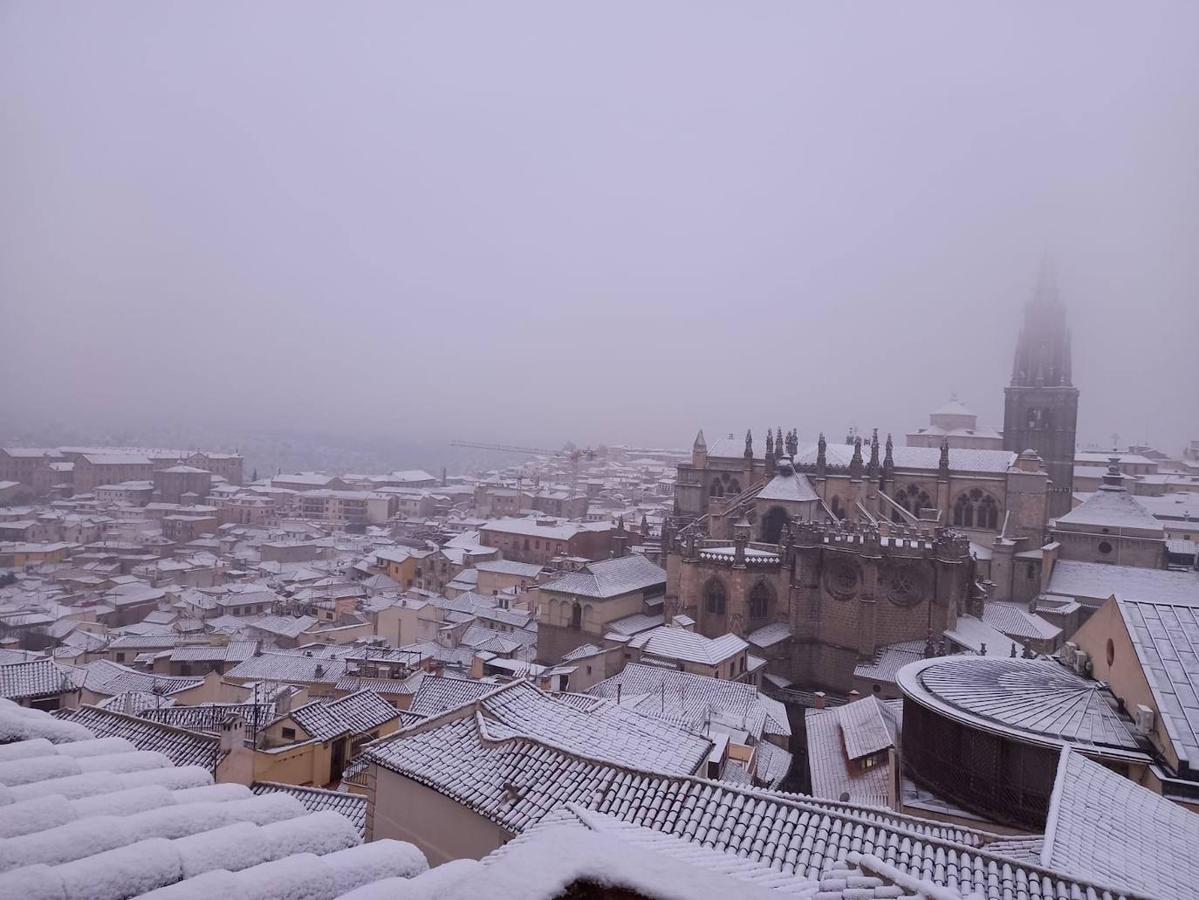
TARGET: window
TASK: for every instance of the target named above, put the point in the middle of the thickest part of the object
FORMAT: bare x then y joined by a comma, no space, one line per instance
715,599
1111,652
289,734
913,499
1105,548
576,616
759,602
976,509
716,490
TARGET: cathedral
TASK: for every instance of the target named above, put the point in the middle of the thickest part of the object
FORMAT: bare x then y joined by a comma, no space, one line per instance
828,553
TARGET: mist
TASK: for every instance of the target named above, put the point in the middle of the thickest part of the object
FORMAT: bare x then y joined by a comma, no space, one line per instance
538,222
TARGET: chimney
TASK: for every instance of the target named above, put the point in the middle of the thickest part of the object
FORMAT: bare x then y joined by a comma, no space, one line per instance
820,701
233,733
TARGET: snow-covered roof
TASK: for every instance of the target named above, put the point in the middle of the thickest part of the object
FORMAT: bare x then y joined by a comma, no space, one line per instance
436,694
1038,701
352,806
1166,638
610,578
828,741
1112,509
296,668
1096,582
180,746
358,713
671,642
694,700
33,679
1109,829
94,819
790,487
517,782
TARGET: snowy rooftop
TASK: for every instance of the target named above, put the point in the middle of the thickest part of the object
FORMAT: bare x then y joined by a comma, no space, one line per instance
357,713
1166,638
1097,582
1038,701
94,819
670,642
610,578
1112,509
518,782
1106,828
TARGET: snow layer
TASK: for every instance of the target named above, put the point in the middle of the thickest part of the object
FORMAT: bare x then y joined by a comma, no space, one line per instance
120,873
97,747
438,883
361,865
24,771
25,749
20,724
134,761
37,814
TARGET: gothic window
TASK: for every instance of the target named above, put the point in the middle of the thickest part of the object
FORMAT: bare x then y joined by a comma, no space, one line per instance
963,512
772,524
734,487
759,602
988,513
976,509
576,616
715,600
836,508
913,499
716,490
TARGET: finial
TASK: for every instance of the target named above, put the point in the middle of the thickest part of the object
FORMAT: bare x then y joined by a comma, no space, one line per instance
749,444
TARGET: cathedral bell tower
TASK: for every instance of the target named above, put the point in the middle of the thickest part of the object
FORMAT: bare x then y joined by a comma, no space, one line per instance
1041,408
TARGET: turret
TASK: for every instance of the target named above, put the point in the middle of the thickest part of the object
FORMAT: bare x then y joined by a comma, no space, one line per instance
699,451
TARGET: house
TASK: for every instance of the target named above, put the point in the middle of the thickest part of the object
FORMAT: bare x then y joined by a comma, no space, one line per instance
312,744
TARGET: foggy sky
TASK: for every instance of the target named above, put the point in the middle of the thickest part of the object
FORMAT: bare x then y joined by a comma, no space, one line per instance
615,221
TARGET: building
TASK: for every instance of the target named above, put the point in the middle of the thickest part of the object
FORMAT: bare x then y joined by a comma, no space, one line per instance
1147,650
582,607
1041,404
538,540
841,591
175,483
955,424
1111,526
986,733
94,469
975,491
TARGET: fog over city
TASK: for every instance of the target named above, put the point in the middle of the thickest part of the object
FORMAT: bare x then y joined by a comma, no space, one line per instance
539,222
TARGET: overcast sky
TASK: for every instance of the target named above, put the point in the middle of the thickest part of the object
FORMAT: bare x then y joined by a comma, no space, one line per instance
610,221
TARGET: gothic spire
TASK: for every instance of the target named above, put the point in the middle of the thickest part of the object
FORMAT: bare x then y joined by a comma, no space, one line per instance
889,461
943,463
1042,355
749,444
769,444
855,463
821,455
872,468
792,443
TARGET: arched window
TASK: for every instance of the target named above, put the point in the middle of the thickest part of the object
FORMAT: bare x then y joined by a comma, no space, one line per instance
963,512
913,499
715,599
772,524
760,599
976,509
576,616
836,508
988,513
716,489
734,487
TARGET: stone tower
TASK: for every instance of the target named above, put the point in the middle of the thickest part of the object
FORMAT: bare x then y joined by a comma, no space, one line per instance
1041,408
